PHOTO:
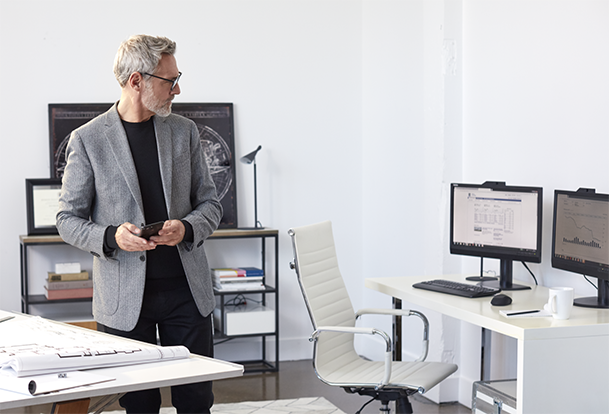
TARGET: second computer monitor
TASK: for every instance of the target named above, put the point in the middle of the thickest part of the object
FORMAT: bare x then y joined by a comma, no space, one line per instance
580,239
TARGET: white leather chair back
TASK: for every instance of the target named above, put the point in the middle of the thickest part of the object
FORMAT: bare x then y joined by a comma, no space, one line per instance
325,294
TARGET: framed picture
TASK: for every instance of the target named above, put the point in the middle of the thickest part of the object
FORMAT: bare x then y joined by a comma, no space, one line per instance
63,119
42,199
216,131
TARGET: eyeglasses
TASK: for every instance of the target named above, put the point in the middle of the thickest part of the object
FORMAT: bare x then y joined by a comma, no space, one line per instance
173,82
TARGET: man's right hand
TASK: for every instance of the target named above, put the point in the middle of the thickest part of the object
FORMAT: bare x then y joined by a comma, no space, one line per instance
128,240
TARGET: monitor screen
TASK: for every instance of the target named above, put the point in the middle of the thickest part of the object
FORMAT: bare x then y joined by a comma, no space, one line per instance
580,238
498,221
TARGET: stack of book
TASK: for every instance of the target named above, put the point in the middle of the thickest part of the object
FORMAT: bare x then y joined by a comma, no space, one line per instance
68,285
238,278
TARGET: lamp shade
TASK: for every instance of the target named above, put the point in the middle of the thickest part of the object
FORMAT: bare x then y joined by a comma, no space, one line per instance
249,158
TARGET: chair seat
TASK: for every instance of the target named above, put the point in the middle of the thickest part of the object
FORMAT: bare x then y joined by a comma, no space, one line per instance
419,376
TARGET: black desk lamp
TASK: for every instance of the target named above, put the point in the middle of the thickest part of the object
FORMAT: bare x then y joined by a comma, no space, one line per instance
249,159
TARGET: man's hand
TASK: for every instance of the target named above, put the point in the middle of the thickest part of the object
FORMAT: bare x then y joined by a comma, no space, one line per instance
171,234
127,238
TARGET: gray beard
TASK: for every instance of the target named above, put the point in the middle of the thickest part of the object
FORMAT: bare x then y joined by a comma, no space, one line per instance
154,105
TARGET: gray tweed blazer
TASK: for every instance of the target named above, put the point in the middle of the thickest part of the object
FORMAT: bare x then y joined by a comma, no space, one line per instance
100,188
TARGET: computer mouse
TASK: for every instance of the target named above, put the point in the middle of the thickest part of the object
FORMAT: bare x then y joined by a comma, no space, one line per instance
501,300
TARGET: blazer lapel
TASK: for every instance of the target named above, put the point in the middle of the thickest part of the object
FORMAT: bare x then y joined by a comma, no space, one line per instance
164,142
117,141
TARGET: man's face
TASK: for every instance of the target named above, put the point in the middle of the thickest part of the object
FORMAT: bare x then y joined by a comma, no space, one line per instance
157,94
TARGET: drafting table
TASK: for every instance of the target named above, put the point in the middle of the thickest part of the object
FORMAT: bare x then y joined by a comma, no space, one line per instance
126,378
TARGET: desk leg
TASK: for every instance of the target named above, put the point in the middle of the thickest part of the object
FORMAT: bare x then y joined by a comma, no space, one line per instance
397,331
485,366
71,407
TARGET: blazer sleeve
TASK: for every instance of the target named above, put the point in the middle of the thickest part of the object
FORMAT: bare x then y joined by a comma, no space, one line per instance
76,201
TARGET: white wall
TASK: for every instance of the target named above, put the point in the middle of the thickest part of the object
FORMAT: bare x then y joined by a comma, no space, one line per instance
292,70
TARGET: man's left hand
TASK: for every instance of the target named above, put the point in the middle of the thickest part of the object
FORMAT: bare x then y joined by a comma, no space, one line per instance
171,234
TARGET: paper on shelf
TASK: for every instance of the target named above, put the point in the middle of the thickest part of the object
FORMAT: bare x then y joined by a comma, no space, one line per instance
67,267
44,384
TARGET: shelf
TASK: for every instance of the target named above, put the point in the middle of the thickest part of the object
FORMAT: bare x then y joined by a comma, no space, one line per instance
243,233
266,289
50,239
258,366
218,234
221,336
42,300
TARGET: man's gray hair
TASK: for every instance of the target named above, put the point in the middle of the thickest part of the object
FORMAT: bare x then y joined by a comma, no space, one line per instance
140,53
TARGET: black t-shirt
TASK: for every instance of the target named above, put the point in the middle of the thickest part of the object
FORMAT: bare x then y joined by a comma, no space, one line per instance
164,261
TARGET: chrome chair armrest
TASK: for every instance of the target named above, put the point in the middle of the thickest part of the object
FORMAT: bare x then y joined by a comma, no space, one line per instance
402,312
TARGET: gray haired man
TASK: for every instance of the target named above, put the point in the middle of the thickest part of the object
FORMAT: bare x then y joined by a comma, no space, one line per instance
134,165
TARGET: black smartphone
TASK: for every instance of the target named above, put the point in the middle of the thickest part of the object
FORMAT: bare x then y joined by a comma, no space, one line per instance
151,229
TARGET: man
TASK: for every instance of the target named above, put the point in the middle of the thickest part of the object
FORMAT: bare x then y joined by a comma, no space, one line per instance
133,165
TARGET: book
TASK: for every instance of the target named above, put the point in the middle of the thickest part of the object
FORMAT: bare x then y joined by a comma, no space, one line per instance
69,284
237,272
240,286
58,277
68,293
241,279
228,272
253,271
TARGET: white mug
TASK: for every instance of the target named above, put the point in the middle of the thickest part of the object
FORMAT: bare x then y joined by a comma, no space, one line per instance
560,302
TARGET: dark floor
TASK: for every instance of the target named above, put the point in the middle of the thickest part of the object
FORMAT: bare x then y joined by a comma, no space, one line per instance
297,379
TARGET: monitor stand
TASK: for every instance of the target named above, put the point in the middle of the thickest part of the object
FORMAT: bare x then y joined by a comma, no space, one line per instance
601,301
505,280
481,278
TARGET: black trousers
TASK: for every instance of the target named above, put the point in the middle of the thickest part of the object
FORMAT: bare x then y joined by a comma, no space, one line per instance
179,322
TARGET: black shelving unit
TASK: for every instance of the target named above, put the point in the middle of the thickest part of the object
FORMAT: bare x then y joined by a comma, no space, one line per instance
271,289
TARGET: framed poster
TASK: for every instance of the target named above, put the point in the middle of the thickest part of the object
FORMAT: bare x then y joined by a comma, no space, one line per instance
216,131
63,119
42,200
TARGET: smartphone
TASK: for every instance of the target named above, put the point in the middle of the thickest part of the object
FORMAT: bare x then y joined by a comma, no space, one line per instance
151,229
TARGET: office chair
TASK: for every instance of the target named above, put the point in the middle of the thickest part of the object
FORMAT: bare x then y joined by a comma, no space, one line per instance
335,360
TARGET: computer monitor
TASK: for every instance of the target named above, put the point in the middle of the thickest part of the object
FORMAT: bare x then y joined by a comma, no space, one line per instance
580,239
498,221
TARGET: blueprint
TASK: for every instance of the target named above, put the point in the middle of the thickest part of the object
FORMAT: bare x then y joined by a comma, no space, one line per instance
35,346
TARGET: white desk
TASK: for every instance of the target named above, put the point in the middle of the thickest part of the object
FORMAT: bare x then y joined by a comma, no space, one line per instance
131,378
562,367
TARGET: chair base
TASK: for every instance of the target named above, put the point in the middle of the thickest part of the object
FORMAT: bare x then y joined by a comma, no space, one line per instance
400,396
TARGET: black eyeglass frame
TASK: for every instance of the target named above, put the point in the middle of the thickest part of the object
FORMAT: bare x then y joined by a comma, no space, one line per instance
173,82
